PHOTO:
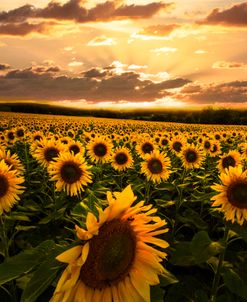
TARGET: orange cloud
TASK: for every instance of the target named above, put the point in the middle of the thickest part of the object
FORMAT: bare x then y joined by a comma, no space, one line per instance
229,65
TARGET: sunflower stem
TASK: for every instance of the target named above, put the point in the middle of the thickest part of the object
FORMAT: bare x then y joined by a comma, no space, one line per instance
4,240
26,161
217,275
147,191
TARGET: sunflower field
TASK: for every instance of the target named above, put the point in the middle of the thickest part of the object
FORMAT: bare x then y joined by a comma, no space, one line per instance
104,210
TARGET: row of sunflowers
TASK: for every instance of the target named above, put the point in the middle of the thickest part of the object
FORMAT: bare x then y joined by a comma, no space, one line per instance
121,210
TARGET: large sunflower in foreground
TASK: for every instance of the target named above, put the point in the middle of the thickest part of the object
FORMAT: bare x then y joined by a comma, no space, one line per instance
232,197
9,187
118,260
121,159
70,172
191,156
156,166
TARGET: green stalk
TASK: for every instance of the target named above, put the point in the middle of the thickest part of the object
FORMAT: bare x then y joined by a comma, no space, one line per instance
4,239
217,276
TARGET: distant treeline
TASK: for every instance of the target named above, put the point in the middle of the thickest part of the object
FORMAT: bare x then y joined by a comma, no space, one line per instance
208,115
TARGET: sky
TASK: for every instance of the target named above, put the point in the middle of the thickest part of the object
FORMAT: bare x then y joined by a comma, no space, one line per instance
123,53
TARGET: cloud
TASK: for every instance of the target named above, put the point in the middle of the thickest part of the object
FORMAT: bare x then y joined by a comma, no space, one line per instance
229,65
24,28
17,21
233,16
75,64
200,52
102,41
159,30
93,85
164,50
231,92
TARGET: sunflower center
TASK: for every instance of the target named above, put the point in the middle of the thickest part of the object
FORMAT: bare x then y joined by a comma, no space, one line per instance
228,161
147,148
100,149
164,142
191,156
237,194
20,133
11,135
70,172
74,148
51,153
111,255
155,166
4,185
121,158
177,146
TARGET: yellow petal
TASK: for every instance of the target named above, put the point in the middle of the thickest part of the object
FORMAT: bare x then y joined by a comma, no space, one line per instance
141,286
70,255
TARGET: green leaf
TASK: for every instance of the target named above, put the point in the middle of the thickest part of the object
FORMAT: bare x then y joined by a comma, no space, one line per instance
191,217
182,255
199,250
241,230
236,283
167,278
18,216
43,277
157,294
24,262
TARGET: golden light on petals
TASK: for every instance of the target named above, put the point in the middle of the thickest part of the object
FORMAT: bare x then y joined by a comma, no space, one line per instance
120,257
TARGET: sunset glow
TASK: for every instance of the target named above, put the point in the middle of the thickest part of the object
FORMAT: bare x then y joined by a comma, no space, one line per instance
124,54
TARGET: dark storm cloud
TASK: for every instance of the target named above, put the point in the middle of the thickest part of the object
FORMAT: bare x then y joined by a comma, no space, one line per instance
94,85
17,21
231,92
233,16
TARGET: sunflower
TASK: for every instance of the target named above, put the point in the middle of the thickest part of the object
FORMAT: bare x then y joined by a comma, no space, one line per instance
47,151
207,145
145,146
118,260
232,195
70,172
215,149
191,156
156,166
37,136
99,149
10,136
231,159
20,133
76,147
9,187
12,161
121,159
176,144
